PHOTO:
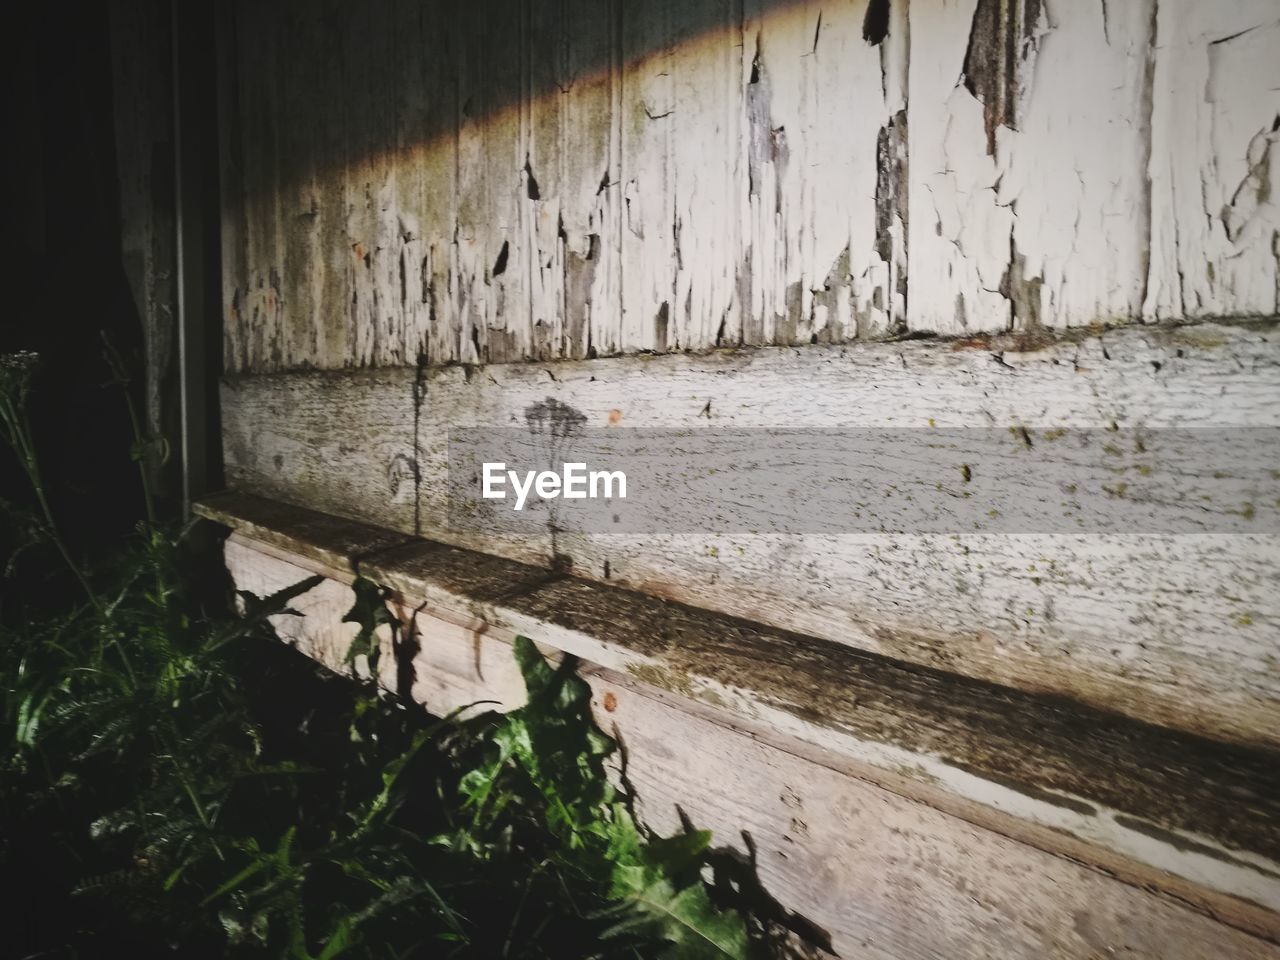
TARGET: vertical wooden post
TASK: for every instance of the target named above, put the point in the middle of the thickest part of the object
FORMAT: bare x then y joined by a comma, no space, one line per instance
197,288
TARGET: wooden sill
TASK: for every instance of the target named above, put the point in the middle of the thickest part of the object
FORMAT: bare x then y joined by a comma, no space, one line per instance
1194,819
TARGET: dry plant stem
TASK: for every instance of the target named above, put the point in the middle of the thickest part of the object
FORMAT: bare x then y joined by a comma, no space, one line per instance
18,433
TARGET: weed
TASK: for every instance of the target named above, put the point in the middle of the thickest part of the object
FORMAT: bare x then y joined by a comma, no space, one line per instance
225,797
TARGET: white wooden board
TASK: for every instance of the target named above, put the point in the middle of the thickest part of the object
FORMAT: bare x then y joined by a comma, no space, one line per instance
882,875
1143,624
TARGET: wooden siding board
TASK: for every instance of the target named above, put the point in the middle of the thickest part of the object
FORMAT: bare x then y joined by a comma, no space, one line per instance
141,70
368,122
705,175
232,212
430,129
461,616
493,250
590,188
1043,220
1137,624
814,109
309,235
648,206
319,437
546,49
261,337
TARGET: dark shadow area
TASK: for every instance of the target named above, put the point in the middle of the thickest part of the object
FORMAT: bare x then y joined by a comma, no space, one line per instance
360,81
67,280
736,881
71,299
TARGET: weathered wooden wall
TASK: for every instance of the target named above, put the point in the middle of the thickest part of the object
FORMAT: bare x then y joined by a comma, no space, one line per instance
550,188
410,185
506,179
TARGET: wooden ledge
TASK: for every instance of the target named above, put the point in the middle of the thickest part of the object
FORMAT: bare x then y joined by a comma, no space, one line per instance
1196,819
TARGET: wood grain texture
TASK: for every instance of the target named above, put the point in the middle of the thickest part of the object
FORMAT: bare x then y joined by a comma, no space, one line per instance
519,180
1140,624
1193,817
881,874
350,444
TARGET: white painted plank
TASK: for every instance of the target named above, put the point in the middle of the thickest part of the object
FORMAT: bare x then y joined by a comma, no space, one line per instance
1214,144
542,219
705,176
1046,223
647,105
814,110
959,239
260,332
493,255
316,271
717,173
591,190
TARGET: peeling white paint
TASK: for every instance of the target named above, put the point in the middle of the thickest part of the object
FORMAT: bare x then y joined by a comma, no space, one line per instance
1217,102
662,176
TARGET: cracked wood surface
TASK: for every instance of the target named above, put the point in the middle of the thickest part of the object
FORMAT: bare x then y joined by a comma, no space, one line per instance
1147,625
1177,814
508,180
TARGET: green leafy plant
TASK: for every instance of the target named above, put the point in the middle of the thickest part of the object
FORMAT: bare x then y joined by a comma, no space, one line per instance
220,794
551,750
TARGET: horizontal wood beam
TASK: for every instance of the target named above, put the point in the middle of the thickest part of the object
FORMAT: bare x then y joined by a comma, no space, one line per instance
1197,820
1177,630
